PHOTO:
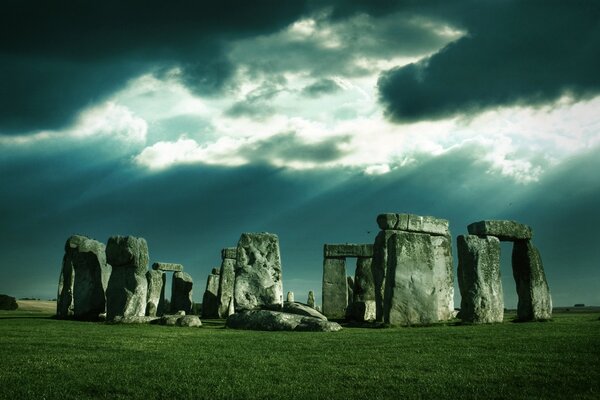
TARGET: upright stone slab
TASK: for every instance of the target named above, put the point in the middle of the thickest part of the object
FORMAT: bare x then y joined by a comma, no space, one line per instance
410,296
479,279
156,293
363,307
127,291
535,302
311,299
379,266
290,297
85,275
64,303
443,276
181,293
210,300
503,230
258,272
350,286
226,284
335,288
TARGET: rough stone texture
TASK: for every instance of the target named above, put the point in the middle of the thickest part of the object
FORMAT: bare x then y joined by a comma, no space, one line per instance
479,279
363,307
258,272
190,321
210,300
443,276
350,286
290,297
427,224
311,299
181,293
127,291
169,320
231,308
348,250
392,221
226,284
134,319
335,288
302,309
215,271
535,302
229,252
503,230
265,320
161,266
8,303
156,293
410,296
84,265
379,267
64,300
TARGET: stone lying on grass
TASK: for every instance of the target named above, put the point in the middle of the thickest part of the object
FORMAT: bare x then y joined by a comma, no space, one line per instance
133,319
265,320
302,309
180,320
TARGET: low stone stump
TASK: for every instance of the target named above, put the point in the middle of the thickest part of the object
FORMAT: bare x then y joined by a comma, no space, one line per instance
265,320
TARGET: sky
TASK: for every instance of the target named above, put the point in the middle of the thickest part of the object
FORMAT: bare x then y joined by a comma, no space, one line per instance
188,123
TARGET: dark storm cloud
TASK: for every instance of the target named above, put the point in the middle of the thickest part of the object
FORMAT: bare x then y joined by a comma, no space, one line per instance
290,147
256,103
58,57
514,53
321,87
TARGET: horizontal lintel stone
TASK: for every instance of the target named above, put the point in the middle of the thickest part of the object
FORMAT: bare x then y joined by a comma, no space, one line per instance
502,229
348,250
229,252
413,223
161,266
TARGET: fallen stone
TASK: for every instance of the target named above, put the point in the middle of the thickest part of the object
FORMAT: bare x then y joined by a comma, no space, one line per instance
181,292
180,313
265,320
189,321
347,250
133,320
443,276
302,309
503,230
8,303
161,266
311,299
363,307
479,279
156,292
210,300
169,320
258,272
290,297
535,303
226,284
335,288
229,252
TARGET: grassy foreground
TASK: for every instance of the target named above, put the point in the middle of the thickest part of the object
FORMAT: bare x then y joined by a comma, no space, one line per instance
46,358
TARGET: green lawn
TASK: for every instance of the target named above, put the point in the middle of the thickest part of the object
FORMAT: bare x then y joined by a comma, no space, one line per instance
46,358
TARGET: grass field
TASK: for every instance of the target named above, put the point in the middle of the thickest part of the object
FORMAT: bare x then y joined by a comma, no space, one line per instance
47,358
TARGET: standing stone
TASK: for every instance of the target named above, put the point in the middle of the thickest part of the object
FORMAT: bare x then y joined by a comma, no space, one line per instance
231,308
127,291
210,301
350,286
535,302
311,299
363,307
85,275
410,296
443,276
258,272
379,264
156,292
226,284
181,293
290,297
479,279
335,288
64,303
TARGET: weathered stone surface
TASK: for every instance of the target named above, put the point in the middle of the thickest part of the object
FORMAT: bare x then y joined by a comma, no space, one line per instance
363,307
129,251
503,230
311,299
134,319
393,221
162,266
443,276
156,292
190,321
215,271
231,308
427,224
258,272
127,291
335,288
226,284
181,293
410,297
347,250
169,320
379,267
265,320
64,301
302,309
350,286
8,302
479,279
290,297
535,302
210,300
229,252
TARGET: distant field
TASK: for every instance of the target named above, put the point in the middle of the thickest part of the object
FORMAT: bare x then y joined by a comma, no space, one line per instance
37,306
47,358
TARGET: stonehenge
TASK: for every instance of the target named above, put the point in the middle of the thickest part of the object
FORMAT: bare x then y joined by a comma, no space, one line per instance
181,292
226,281
157,281
210,300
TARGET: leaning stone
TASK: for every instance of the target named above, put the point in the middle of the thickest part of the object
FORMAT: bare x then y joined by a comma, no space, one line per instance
229,252
311,299
410,297
290,297
8,303
427,224
181,292
503,230
210,301
347,250
479,279
226,284
392,221
258,272
363,307
189,321
161,266
535,303
265,320
443,276
302,309
156,292
335,288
